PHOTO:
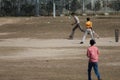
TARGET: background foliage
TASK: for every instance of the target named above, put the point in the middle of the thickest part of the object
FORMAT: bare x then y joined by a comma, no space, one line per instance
45,7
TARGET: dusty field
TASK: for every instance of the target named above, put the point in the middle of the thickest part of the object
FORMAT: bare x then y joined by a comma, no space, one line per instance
37,48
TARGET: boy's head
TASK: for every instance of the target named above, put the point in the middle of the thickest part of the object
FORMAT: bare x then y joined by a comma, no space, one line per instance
92,42
88,19
72,14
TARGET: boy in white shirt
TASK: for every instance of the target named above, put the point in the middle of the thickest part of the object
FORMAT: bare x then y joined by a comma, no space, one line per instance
77,25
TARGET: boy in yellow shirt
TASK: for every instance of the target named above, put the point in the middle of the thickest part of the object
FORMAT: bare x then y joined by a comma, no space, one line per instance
88,30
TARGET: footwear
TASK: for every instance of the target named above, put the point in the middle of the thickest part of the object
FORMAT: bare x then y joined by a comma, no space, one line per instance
81,42
70,37
98,37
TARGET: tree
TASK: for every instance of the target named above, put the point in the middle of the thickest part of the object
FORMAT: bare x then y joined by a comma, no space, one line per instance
49,7
37,7
97,6
75,5
8,7
27,9
115,5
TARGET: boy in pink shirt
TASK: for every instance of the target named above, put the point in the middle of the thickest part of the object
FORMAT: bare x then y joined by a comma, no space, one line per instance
92,54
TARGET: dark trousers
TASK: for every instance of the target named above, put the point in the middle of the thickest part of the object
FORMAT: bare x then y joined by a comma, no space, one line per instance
74,28
95,67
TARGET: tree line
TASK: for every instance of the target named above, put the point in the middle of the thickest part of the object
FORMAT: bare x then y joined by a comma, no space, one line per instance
37,7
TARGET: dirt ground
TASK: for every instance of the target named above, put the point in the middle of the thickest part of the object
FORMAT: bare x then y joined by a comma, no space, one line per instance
37,48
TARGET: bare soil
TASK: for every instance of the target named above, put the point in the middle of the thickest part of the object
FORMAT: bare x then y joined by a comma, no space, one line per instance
37,48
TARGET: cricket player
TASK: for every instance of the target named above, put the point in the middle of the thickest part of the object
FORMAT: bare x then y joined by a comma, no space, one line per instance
88,30
93,55
77,25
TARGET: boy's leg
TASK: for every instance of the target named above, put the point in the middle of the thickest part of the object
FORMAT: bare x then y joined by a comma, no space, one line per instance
89,71
95,66
81,29
95,34
85,34
91,33
73,31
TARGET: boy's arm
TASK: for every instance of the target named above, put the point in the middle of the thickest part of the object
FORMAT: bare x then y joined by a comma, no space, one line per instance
98,52
88,55
74,22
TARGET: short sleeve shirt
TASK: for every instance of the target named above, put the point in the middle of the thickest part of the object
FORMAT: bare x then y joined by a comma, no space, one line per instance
76,20
92,53
89,24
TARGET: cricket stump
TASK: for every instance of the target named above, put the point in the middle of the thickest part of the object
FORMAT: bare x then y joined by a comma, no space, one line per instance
116,35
